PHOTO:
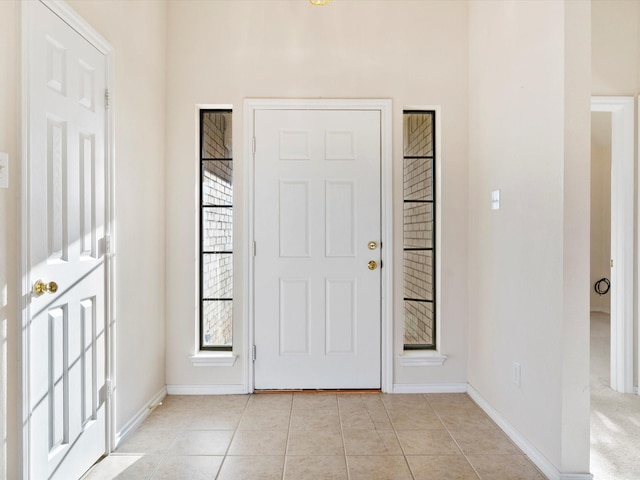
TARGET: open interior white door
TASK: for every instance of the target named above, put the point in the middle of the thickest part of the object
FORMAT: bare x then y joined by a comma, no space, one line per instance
317,233
66,335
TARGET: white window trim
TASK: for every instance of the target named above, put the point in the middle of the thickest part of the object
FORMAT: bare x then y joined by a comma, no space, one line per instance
429,357
206,358
421,358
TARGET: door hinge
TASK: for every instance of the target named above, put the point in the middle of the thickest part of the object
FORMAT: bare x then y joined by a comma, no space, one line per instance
253,249
106,99
254,145
109,389
107,246
611,263
253,353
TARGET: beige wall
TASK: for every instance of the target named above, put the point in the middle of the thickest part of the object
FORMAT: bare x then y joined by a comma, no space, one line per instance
137,31
527,289
502,86
575,339
600,206
9,198
223,52
615,55
615,39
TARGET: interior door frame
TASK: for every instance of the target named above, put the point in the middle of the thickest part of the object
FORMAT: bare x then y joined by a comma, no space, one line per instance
76,22
386,219
622,237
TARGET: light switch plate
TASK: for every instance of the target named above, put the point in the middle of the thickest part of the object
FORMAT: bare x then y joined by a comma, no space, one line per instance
4,170
495,200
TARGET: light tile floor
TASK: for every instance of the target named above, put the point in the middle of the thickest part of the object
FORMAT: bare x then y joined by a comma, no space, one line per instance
318,436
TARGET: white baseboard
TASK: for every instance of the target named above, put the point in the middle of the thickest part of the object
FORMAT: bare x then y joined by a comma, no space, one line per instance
525,445
138,418
429,388
207,389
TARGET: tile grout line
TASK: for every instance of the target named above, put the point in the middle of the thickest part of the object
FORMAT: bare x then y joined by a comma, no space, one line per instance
395,432
344,444
180,418
286,446
454,440
494,427
165,454
233,435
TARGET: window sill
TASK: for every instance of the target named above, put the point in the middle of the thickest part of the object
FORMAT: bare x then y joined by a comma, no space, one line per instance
213,359
421,358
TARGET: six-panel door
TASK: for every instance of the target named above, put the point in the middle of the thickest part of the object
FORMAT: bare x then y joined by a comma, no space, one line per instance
66,228
317,208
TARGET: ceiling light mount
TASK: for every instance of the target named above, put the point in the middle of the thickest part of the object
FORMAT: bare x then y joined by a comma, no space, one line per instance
320,2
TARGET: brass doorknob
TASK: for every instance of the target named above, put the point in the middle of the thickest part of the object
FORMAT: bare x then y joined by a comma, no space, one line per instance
40,288
372,265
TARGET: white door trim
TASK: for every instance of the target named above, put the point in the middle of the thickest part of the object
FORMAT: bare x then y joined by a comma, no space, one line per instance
75,21
636,389
622,236
384,107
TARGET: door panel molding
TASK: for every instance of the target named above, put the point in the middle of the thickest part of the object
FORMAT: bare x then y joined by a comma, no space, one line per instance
251,106
24,280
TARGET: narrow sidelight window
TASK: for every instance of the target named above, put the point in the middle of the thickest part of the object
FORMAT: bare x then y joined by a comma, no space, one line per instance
419,230
216,229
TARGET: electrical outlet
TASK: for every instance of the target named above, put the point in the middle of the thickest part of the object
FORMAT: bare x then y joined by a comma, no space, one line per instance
4,170
495,200
516,374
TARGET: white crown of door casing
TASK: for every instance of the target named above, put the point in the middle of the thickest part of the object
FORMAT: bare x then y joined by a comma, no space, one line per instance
251,106
86,31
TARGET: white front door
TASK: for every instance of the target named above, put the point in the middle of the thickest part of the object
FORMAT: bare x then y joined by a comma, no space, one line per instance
317,228
66,335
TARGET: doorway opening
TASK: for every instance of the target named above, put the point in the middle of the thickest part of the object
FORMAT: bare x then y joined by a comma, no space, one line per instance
621,263
612,263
